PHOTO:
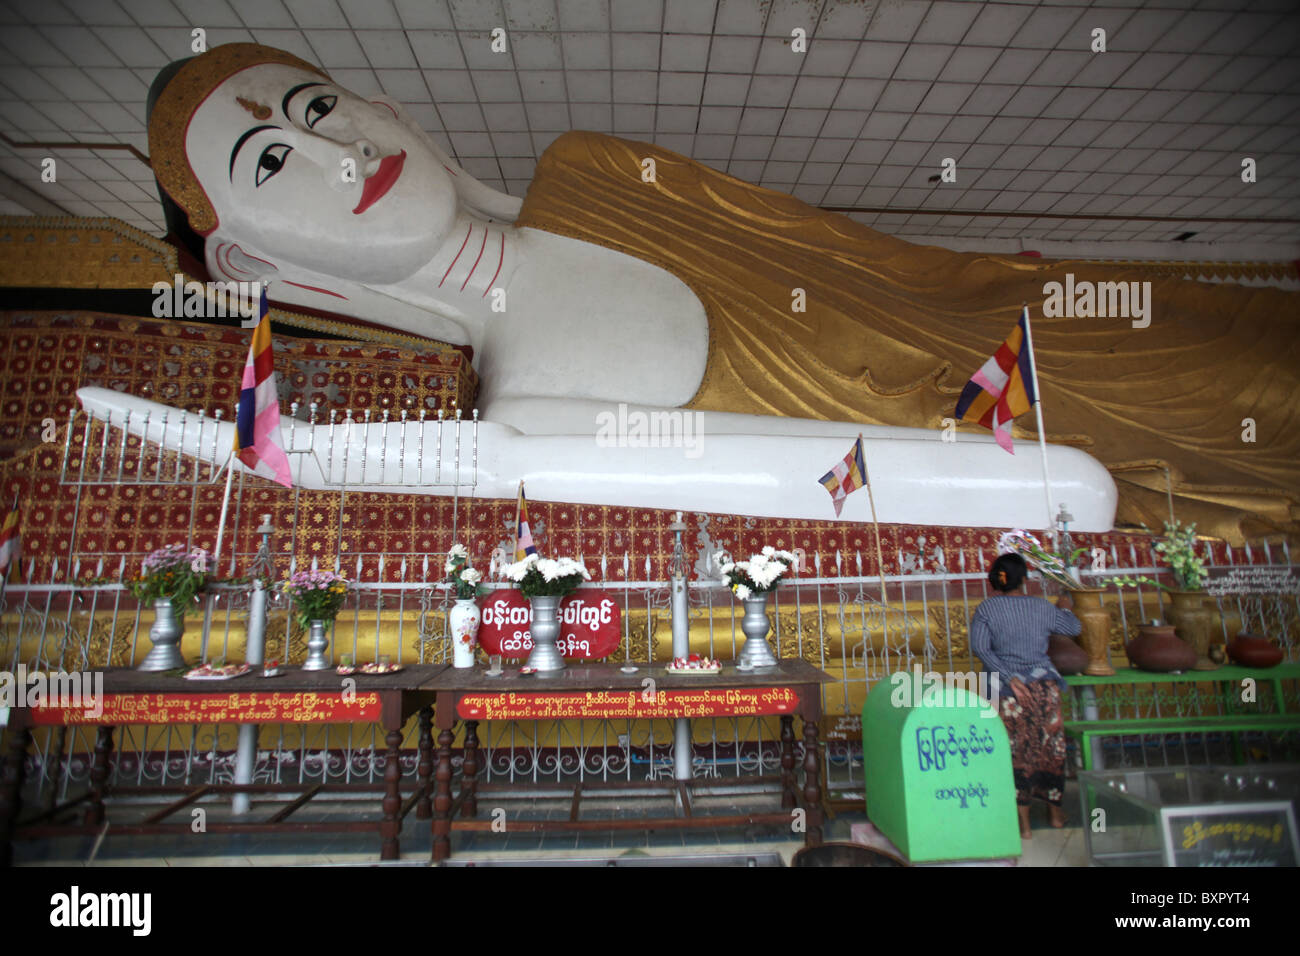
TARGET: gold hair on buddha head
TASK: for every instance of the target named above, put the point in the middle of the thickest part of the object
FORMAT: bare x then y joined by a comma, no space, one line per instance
175,105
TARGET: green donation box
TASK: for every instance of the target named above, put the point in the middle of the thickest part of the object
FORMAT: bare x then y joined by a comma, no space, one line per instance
938,771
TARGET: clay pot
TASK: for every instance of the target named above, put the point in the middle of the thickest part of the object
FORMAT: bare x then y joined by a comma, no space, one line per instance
1066,655
1159,649
1192,622
1251,650
1096,629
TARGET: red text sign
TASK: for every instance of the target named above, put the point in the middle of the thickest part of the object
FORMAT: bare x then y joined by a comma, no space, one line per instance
629,704
590,624
303,707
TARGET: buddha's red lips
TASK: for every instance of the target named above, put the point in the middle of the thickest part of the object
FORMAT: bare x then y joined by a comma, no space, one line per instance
376,186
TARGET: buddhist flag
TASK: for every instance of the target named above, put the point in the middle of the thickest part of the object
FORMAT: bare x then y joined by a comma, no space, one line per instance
257,422
10,541
1003,388
846,477
523,533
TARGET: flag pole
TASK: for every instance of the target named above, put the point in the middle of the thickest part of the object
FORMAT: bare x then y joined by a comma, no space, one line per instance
225,507
1042,433
4,578
880,554
216,557
519,496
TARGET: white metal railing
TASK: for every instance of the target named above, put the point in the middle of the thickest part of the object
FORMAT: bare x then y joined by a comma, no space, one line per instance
919,619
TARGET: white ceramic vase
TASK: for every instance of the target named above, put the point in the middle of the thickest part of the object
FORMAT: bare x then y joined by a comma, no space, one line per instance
463,621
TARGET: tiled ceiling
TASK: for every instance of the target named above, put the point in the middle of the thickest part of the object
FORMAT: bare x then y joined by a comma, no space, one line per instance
1154,129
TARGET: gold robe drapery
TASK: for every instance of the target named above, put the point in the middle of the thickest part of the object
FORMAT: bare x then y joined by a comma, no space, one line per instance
892,331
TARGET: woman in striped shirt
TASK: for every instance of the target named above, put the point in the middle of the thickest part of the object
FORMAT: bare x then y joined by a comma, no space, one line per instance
1008,633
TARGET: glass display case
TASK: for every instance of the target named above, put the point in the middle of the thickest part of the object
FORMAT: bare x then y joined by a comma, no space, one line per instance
1192,816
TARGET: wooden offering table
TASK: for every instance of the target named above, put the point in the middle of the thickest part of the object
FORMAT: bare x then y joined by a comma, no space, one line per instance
298,697
604,692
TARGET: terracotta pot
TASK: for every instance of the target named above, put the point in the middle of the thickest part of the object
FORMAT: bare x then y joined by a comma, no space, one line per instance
1066,654
1096,629
1251,650
1192,623
1160,650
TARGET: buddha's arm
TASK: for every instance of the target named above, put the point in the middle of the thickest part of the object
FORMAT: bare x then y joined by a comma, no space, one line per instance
667,463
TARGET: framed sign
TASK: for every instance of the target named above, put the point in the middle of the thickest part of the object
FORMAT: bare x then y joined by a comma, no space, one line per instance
1237,834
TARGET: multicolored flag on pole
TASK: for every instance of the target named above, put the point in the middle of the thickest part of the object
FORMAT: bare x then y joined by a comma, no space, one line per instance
846,477
1003,388
523,533
11,541
257,422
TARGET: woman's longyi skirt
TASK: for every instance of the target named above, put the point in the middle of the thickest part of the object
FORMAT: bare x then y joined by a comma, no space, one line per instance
1037,735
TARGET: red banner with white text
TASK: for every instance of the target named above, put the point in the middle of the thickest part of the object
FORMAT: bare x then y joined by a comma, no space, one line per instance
590,624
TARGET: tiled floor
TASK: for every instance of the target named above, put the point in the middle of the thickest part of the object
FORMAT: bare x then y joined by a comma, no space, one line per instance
1048,847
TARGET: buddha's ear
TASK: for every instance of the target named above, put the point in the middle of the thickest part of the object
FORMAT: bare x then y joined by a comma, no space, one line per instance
476,196
227,259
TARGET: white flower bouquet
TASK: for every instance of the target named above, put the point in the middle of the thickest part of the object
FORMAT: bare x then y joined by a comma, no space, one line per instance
460,575
542,577
1050,565
760,574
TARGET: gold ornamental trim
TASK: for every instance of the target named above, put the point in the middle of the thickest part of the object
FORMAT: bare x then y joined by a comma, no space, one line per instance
74,252
1279,270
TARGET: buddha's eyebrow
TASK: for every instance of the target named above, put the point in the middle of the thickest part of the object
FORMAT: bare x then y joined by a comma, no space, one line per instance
240,142
284,103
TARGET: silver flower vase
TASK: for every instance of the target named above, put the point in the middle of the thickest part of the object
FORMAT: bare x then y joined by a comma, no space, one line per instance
545,628
165,635
756,651
317,642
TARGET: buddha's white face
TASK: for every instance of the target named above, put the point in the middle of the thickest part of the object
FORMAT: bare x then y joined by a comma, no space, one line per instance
327,181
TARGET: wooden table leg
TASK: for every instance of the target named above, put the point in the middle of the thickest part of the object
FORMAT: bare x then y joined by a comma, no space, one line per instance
442,797
391,826
469,771
11,787
788,790
424,770
812,791
94,815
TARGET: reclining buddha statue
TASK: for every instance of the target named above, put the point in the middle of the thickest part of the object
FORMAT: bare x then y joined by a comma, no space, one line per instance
779,330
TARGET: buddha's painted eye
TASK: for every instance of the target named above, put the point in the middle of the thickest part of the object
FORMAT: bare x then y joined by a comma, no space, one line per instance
319,108
272,161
